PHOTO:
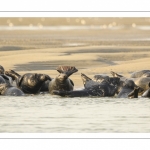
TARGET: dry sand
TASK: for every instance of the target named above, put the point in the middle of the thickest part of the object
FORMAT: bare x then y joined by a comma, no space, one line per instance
94,51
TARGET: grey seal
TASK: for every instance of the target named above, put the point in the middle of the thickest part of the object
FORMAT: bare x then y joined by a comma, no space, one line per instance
30,83
62,81
129,90
137,74
8,90
92,88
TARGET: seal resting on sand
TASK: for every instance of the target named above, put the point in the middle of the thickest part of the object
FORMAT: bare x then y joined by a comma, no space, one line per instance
128,90
88,82
141,73
141,82
62,81
8,90
2,80
30,83
147,92
103,89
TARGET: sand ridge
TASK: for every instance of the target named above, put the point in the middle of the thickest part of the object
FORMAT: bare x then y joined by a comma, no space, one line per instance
44,61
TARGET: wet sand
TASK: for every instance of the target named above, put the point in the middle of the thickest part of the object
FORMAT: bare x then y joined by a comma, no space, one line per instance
93,51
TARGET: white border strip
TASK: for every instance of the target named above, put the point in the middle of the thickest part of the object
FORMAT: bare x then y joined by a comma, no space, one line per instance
74,14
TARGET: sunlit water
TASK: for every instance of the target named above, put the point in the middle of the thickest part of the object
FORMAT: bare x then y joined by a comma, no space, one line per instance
53,114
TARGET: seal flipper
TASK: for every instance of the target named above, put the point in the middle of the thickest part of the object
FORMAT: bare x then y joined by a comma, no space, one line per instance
134,93
60,93
87,82
85,78
78,93
14,75
68,70
114,74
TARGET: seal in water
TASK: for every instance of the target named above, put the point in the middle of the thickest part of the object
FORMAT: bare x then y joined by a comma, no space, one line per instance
8,90
30,83
102,89
128,90
140,73
62,81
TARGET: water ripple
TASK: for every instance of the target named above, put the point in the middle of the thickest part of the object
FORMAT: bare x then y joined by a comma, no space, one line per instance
46,113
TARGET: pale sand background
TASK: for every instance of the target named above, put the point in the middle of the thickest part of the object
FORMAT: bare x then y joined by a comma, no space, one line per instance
118,44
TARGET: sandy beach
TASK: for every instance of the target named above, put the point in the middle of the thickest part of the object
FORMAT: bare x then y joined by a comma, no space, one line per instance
92,45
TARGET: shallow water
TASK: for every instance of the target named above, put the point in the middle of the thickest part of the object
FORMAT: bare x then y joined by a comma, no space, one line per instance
46,113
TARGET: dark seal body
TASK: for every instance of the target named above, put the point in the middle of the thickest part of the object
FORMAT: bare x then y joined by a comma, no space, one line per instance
104,89
8,90
7,79
141,82
29,83
128,90
98,79
45,85
2,80
32,83
62,81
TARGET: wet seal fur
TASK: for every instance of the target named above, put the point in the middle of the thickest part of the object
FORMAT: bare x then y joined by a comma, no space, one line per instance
129,90
29,83
101,90
147,92
92,88
8,90
141,82
2,80
88,82
62,81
